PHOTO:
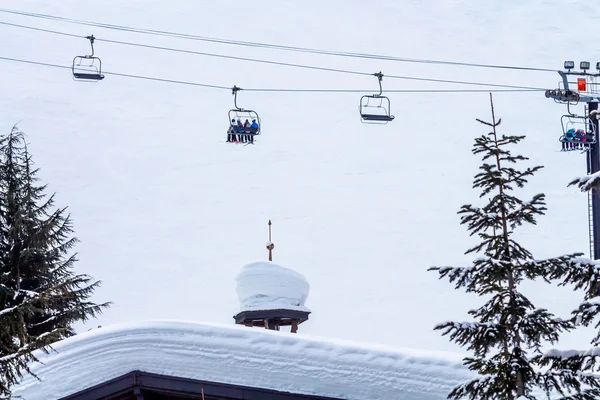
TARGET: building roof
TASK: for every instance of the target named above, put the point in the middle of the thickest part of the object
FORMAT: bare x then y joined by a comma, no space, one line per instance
248,357
138,385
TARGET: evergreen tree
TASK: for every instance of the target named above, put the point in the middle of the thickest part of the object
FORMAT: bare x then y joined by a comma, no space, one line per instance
582,274
39,287
16,345
508,330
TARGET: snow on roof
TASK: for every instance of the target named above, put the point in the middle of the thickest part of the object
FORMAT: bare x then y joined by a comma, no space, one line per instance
264,285
243,356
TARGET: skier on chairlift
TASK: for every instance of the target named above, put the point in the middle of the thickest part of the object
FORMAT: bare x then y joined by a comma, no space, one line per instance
240,132
569,136
231,136
581,138
245,131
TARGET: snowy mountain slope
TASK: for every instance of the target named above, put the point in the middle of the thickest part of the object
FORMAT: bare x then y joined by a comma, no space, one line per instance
167,213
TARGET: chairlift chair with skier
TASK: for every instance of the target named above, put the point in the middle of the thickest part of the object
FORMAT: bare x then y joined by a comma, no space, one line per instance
241,114
579,133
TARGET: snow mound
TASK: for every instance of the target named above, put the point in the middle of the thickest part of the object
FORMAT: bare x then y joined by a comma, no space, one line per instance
235,355
264,285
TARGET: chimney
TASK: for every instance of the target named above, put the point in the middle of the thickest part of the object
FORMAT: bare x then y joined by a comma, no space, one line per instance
270,295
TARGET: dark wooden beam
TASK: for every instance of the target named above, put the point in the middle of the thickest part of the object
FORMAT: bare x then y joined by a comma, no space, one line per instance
137,391
284,317
134,384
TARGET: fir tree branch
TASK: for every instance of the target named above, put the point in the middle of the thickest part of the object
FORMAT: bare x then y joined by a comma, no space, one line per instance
571,369
582,273
587,183
487,123
475,336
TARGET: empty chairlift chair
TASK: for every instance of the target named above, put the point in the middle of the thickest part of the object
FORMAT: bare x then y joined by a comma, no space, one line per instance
87,68
375,108
241,114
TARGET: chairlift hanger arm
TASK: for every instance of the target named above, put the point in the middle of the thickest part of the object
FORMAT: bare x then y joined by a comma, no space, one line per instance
565,80
379,76
234,91
91,38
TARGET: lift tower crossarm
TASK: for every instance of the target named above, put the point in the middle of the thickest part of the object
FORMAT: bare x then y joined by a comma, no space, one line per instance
568,95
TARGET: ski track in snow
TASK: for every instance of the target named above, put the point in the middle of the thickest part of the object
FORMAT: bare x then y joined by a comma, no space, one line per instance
168,213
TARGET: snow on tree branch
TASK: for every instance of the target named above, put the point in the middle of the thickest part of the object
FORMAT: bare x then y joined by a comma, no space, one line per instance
587,183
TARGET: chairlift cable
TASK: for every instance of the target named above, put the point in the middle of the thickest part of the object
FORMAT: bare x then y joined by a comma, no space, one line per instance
42,30
163,48
273,46
391,90
281,90
167,80
285,64
35,62
118,74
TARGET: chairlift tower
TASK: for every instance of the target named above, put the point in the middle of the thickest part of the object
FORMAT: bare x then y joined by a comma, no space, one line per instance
580,132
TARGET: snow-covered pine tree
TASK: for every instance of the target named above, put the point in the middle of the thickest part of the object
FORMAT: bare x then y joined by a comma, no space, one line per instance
36,268
16,345
582,274
508,330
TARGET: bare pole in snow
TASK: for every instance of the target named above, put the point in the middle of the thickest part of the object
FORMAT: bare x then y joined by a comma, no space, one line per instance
270,245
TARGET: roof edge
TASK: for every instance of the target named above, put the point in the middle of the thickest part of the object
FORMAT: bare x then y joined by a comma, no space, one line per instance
184,386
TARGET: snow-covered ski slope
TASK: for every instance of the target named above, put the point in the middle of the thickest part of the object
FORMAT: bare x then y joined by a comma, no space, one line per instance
167,213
